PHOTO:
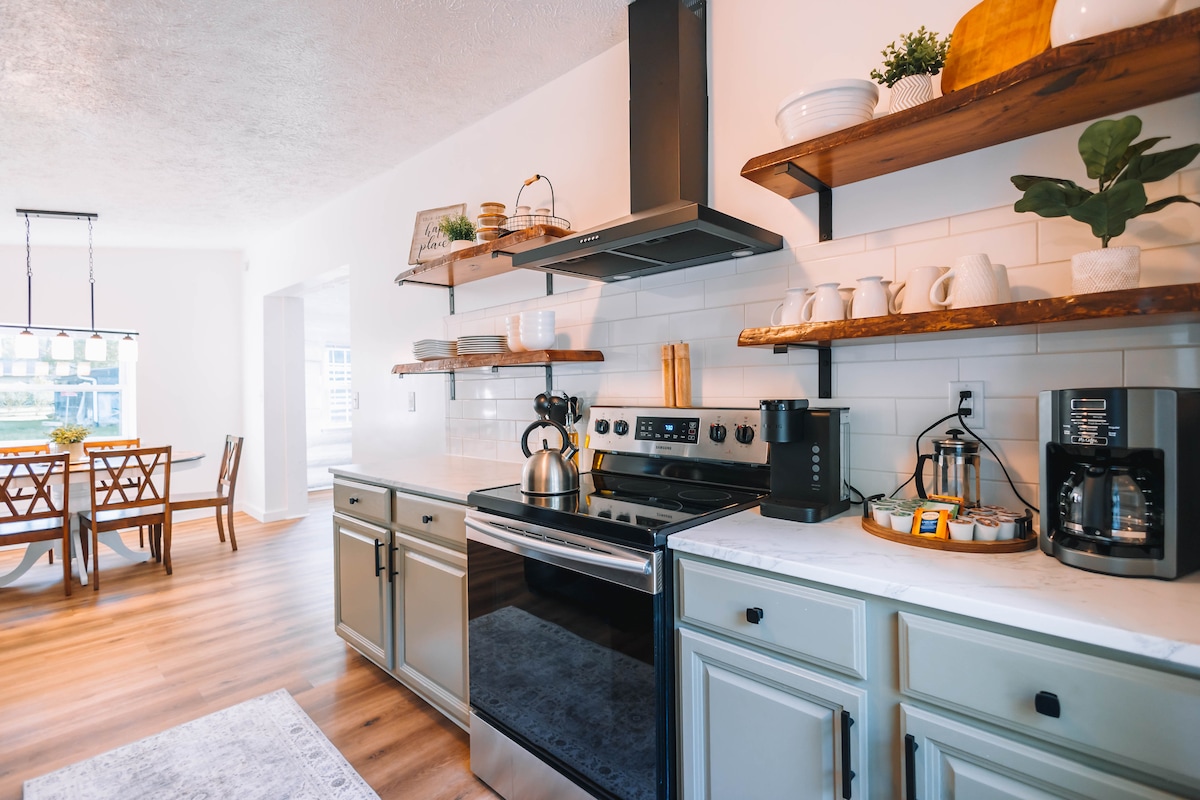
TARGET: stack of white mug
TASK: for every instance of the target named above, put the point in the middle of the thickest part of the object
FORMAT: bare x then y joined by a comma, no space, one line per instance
973,281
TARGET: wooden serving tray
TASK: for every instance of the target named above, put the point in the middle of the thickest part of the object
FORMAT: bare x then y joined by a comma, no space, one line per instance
1007,546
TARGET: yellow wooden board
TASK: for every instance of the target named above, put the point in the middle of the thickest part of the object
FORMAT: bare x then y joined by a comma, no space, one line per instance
994,36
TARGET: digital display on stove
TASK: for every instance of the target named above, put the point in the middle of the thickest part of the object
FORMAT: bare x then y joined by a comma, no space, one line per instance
668,429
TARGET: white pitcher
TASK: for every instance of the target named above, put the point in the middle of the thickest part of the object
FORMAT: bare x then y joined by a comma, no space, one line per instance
1003,290
870,298
788,312
915,290
824,305
972,283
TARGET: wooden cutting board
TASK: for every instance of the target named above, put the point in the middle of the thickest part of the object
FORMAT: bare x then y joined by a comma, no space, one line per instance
994,36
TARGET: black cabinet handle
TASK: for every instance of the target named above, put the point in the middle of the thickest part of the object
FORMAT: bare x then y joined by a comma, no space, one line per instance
378,566
353,500
426,519
392,559
847,773
1047,703
910,767
754,615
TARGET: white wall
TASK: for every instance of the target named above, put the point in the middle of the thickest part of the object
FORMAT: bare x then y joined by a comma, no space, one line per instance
186,306
575,131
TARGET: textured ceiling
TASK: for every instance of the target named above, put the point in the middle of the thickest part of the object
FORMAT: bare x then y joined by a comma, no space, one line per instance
203,123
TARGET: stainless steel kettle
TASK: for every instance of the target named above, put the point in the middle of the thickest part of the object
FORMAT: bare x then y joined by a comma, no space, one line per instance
956,468
549,471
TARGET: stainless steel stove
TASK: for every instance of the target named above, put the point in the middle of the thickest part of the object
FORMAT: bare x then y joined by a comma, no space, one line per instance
569,599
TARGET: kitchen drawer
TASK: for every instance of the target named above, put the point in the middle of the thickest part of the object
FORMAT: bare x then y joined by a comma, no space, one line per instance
431,517
1139,717
822,627
362,500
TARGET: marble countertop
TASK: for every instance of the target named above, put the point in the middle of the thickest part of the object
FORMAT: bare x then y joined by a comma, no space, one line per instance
1029,590
449,478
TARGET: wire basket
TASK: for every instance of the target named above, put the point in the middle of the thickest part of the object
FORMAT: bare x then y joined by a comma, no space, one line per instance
523,221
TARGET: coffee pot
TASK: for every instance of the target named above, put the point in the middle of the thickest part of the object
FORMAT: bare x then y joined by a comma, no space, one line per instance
956,468
549,471
1105,503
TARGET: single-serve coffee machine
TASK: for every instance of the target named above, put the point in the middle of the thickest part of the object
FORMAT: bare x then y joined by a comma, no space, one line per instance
1119,471
810,460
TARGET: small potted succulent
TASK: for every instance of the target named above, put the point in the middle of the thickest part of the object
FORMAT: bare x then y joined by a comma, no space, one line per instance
1122,167
459,229
908,69
69,439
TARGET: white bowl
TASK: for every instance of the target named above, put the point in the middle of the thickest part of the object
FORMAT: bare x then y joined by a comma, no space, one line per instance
538,317
541,339
826,107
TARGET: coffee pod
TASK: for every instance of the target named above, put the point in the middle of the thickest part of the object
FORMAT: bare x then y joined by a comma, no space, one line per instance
901,521
1008,526
962,529
987,529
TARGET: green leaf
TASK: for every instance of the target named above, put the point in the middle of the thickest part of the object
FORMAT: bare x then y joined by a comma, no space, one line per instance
1107,212
1156,166
1159,205
1103,144
1051,197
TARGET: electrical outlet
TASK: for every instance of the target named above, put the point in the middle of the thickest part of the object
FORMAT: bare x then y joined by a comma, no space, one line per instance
974,403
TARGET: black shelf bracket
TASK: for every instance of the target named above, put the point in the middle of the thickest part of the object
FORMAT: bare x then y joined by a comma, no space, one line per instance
549,379
824,365
824,198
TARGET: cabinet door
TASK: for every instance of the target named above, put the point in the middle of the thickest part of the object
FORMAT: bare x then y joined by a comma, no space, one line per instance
753,726
947,760
362,606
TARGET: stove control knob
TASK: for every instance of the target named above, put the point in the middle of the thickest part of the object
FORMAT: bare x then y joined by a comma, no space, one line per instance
744,434
601,426
716,432
620,427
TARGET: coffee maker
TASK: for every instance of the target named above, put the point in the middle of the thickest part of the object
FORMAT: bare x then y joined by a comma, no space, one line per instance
1119,471
810,460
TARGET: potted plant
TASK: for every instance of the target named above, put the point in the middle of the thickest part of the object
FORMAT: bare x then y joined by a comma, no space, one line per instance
909,68
69,439
459,230
1122,167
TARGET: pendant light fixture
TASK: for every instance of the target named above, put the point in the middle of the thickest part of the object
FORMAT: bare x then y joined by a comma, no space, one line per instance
26,345
96,349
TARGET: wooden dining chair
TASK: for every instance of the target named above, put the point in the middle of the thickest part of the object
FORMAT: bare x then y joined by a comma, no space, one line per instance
100,445
222,497
30,508
130,488
9,450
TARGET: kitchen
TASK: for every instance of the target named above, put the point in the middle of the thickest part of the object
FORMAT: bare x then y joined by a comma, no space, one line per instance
575,131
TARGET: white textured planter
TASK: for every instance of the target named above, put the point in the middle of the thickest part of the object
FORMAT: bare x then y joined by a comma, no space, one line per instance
461,244
74,448
1082,19
911,90
1108,269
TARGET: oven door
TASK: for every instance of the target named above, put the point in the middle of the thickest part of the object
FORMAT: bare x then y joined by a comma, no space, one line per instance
569,652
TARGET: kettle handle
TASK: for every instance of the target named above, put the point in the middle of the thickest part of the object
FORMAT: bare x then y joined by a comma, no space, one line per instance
920,475
567,448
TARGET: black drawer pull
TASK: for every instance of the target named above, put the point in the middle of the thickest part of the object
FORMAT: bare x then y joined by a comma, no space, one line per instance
1047,703
426,519
910,767
754,615
378,566
847,773
353,500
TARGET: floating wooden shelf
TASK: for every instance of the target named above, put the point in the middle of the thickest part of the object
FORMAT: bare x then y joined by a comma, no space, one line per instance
1151,305
1083,80
485,260
530,358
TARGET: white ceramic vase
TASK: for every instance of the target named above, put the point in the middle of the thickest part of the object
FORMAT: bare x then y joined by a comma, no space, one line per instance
911,90
460,244
1081,19
1108,269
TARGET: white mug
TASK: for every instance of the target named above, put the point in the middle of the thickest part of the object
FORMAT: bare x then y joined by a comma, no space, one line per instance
974,283
824,305
788,312
1003,290
915,289
870,298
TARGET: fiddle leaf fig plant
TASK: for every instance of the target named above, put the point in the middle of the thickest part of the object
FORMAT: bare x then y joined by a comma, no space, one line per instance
1121,167
457,227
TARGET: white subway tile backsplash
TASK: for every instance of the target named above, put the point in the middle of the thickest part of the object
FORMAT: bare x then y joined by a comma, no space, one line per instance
1177,366
606,308
1017,376
766,383
883,349
868,415
642,330
740,288
843,269
829,249
704,272
923,231
1163,266
1124,338
1003,341
985,220
726,321
1013,245
894,378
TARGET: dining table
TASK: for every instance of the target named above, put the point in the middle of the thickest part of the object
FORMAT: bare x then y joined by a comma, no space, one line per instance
80,481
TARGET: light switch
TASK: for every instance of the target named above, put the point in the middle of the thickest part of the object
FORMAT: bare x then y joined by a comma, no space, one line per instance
412,401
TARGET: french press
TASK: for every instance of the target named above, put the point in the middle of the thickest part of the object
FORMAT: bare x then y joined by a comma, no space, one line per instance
955,468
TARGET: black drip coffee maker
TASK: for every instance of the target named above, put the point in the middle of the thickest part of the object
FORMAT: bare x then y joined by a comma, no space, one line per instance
1119,469
810,460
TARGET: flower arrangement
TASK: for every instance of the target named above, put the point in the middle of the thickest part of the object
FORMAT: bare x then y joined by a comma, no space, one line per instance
1121,166
920,53
457,227
69,434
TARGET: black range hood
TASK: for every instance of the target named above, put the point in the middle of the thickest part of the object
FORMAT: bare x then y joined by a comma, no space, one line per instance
670,227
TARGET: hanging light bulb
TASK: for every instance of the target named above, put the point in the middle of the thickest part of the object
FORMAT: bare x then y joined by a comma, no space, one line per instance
26,345
61,347
127,349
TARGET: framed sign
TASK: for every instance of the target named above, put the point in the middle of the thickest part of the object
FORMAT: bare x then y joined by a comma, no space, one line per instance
428,242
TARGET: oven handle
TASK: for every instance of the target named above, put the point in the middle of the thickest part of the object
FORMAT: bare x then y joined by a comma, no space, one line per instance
524,545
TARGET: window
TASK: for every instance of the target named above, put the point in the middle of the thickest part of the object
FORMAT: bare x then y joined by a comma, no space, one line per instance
38,395
337,385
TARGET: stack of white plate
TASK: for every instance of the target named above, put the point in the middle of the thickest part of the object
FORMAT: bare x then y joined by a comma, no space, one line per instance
477,345
430,349
826,107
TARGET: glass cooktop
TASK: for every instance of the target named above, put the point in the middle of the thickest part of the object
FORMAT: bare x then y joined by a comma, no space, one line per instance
631,509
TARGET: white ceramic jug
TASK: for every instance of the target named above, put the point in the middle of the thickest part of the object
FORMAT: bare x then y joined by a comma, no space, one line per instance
1003,290
824,305
870,298
915,290
972,283
788,312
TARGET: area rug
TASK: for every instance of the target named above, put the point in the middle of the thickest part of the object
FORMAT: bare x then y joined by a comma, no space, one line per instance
263,749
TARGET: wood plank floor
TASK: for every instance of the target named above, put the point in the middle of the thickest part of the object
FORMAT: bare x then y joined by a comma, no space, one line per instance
84,674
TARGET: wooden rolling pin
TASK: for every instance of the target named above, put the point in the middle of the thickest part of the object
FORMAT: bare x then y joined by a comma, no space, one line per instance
668,375
683,376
